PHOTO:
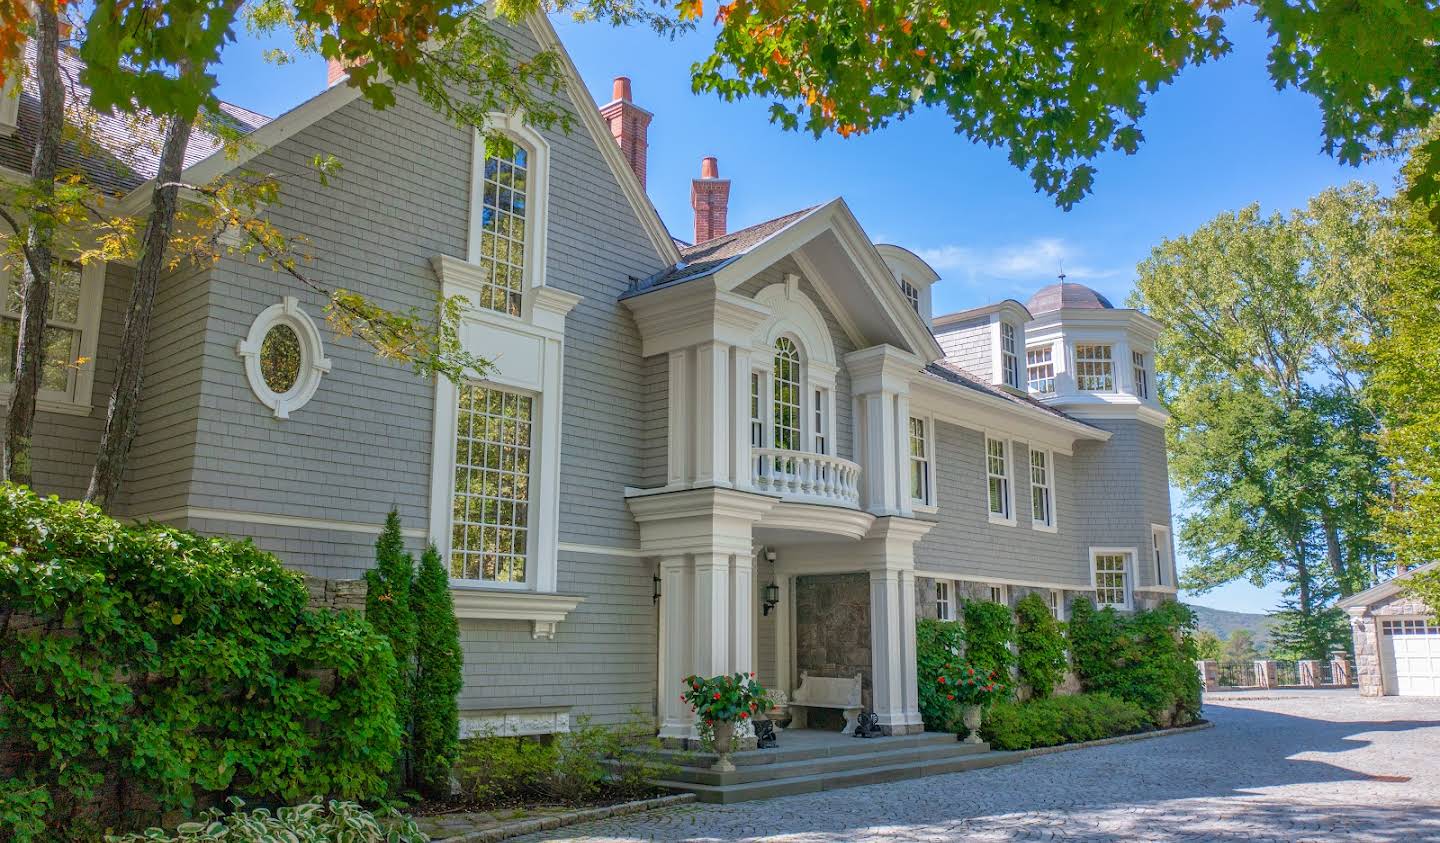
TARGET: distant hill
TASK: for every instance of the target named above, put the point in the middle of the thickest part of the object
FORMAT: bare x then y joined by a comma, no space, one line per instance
1223,622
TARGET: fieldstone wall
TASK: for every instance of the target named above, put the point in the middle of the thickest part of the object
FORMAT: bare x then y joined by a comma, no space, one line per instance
832,628
336,595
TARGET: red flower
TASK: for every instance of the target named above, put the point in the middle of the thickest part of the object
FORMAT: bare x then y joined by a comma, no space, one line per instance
744,714
941,680
717,695
949,696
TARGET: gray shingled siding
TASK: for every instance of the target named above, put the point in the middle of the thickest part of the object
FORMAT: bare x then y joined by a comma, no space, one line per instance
362,444
965,543
967,345
1111,496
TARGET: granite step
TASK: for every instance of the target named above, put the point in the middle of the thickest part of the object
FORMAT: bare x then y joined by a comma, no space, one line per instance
790,767
803,745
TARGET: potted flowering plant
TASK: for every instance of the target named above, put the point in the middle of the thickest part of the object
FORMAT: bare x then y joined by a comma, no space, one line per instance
721,702
973,690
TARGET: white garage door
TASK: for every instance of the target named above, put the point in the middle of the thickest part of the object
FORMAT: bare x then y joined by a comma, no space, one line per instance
1410,657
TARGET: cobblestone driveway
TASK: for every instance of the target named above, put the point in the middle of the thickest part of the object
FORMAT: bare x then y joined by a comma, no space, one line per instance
1283,766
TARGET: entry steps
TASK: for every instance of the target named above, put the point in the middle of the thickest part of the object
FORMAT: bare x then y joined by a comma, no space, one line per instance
808,761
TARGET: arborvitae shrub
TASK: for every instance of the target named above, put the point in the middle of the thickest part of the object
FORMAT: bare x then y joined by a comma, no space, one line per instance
435,734
1040,646
387,608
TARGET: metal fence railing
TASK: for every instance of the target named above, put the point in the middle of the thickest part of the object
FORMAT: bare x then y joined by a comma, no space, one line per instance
1236,675
1275,674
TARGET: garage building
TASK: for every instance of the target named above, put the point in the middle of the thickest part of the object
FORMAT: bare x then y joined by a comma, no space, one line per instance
1397,641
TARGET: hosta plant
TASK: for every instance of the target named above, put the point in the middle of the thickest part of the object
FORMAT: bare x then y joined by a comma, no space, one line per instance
312,822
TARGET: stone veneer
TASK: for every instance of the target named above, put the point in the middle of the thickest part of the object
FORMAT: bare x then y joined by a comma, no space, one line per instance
1365,624
832,627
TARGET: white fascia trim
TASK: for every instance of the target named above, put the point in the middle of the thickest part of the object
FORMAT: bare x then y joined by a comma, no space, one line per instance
543,611
601,550
188,512
931,573
609,150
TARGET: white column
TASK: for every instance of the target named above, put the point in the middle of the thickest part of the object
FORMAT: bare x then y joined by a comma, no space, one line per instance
676,600
740,417
908,652
711,413
712,616
878,463
678,431
784,649
742,607
887,678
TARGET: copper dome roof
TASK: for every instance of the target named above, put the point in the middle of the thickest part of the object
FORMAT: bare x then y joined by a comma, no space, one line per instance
1066,295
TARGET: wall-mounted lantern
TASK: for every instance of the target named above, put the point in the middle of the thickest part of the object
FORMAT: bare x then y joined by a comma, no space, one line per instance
772,591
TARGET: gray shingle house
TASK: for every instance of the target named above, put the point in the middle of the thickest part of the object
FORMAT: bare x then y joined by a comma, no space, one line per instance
763,451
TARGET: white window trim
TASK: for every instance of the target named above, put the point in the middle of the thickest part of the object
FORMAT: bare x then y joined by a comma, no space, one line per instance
1165,574
9,106
1132,554
313,362
1054,364
931,505
1054,525
76,401
992,517
537,194
1057,604
949,603
1115,369
1002,592
1142,381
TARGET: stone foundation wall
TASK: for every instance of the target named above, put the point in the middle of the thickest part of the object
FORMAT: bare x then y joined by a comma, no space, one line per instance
832,627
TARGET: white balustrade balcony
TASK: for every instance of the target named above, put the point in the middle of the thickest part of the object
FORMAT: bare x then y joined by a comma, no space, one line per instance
804,477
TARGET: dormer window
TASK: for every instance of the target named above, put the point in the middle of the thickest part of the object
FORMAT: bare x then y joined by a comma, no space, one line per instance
1009,357
912,294
1094,368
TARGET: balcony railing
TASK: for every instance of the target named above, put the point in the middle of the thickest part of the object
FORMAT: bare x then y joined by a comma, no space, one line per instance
808,478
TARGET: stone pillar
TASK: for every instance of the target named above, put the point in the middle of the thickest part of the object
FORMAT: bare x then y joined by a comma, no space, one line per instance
1266,673
1209,674
1340,673
1310,673
1365,634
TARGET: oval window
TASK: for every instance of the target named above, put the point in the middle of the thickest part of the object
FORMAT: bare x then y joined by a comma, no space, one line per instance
280,354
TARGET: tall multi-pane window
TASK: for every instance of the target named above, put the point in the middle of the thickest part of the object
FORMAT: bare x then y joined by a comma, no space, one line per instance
1111,586
491,506
786,399
1142,375
62,331
1042,508
944,601
1094,368
822,445
1009,357
502,230
912,294
1040,368
919,462
997,467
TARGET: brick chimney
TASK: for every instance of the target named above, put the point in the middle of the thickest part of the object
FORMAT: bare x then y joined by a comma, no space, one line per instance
630,124
334,73
710,197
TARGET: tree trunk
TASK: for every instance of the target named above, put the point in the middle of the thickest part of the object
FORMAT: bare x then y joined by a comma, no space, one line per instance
121,415
1333,553
39,249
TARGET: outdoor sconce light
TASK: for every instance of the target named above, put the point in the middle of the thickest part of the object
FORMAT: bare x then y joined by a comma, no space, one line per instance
772,591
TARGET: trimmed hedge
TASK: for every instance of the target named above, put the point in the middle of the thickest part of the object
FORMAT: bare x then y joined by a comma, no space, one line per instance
1147,658
1053,721
148,669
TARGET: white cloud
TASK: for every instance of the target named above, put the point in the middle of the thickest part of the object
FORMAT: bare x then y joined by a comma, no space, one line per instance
1028,265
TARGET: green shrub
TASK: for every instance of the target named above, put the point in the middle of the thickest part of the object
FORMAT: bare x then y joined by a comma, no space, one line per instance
435,733
1040,646
1052,721
1147,658
937,643
989,630
186,666
312,821
387,608
573,767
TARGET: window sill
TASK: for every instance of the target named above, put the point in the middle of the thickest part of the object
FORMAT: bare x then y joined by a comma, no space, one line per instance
1004,522
61,406
1157,589
1044,528
543,611
924,508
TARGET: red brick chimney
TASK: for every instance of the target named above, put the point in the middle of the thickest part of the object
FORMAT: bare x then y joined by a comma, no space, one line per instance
710,197
630,124
334,73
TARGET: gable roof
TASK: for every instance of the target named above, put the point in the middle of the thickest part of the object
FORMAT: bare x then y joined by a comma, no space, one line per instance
1384,590
119,152
716,253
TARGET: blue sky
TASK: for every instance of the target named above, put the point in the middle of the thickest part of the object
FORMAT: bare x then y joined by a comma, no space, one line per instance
1219,139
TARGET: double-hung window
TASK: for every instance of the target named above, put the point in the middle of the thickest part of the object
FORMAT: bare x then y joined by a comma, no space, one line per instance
1142,375
822,445
1040,369
998,595
1009,356
490,527
912,294
997,470
921,489
70,334
1094,368
1112,578
944,600
1042,490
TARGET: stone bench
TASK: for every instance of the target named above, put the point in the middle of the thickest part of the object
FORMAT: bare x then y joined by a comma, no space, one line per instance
842,693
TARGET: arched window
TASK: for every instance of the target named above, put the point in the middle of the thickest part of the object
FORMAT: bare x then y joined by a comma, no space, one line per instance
503,211
787,395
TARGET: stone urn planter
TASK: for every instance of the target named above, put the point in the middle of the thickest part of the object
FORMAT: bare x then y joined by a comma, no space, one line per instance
724,742
970,716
